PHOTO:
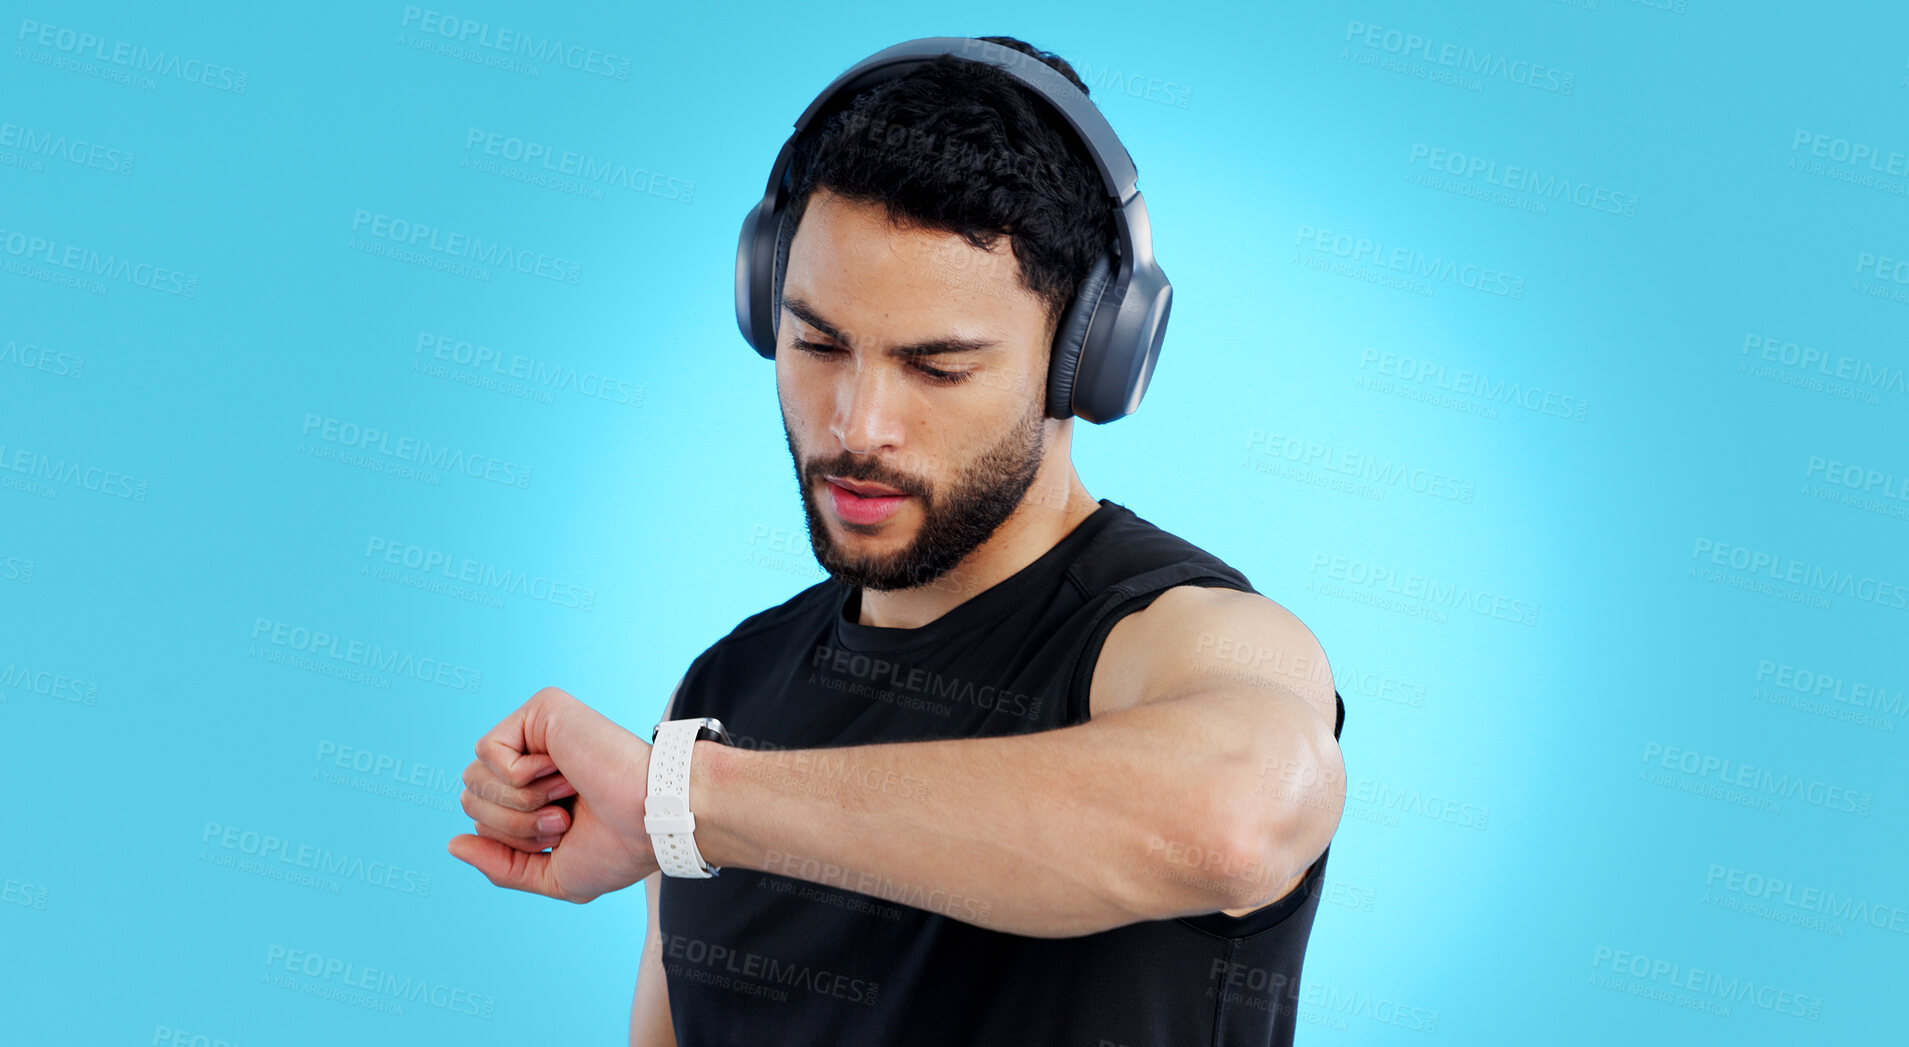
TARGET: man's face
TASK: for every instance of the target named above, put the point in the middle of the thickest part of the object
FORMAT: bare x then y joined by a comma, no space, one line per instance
863,407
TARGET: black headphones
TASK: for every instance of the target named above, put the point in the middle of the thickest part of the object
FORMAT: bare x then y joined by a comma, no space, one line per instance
1109,335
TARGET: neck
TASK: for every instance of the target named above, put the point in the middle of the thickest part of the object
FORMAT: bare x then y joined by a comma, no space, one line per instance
1049,512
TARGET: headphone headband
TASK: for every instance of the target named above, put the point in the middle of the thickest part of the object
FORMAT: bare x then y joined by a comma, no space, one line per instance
1110,334
1111,160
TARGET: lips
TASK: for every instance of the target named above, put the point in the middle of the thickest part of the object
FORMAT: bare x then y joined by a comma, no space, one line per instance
864,504
864,489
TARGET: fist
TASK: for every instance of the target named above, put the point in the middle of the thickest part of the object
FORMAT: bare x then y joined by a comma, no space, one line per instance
551,748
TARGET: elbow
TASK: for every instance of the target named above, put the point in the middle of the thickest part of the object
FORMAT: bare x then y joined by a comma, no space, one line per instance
1232,861
1182,870
1294,810
1262,826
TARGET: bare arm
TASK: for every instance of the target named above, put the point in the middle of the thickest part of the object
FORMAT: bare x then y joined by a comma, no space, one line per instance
1208,790
649,1010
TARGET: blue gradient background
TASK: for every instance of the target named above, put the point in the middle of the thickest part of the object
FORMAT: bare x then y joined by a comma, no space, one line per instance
119,925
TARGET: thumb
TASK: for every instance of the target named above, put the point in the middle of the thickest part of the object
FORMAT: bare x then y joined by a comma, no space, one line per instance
504,865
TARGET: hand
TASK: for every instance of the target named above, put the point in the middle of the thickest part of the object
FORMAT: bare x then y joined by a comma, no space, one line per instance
554,746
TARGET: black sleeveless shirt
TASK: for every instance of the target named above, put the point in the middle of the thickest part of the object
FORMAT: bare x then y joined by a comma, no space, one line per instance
759,959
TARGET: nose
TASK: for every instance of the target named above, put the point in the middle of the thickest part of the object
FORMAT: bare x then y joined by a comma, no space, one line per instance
866,419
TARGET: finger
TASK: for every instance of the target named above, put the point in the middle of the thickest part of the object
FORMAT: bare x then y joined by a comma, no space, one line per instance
517,750
544,821
553,784
522,843
513,766
505,866
479,779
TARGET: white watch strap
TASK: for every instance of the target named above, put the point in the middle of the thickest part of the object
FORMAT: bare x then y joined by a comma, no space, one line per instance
666,814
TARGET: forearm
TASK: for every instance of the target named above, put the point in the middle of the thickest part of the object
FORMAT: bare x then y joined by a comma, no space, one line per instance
1130,817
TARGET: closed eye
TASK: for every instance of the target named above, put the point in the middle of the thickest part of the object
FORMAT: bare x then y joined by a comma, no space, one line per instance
934,374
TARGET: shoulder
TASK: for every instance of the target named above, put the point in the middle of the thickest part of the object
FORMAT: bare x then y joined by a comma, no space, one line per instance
1130,552
1194,637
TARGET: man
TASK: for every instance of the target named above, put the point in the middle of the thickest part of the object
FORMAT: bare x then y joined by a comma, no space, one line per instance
1025,769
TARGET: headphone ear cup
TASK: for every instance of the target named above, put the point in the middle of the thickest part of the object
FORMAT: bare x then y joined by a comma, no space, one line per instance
1064,361
785,234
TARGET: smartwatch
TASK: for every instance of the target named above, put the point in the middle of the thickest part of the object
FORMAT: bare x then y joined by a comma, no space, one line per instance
666,815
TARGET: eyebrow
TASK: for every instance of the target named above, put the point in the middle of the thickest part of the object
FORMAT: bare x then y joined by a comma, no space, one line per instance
932,347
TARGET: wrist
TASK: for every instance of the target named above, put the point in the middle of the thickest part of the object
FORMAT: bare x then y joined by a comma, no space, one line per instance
721,831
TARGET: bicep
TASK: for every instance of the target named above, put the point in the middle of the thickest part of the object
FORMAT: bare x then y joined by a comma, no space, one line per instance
650,1024
1194,638
669,707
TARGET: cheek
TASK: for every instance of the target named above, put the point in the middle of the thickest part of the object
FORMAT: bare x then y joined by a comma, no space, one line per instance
795,400
801,383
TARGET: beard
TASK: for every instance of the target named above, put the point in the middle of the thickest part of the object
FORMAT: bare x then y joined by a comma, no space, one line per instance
956,518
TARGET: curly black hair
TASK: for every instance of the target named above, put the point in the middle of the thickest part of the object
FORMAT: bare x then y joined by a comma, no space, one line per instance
963,147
